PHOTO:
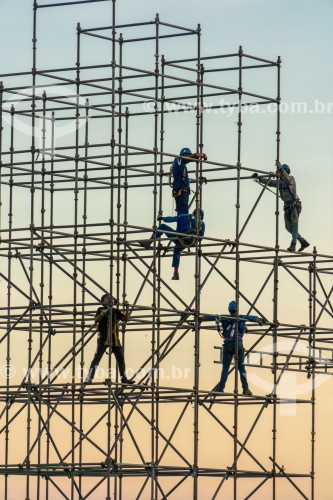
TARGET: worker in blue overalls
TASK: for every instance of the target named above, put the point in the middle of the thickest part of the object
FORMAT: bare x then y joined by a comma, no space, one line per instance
228,323
181,185
180,243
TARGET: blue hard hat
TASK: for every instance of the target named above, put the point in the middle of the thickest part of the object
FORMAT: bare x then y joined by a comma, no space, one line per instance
201,211
232,306
285,166
185,151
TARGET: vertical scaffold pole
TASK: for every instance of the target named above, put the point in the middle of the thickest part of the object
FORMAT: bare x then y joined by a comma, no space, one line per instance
50,297
155,271
32,227
159,137
312,355
8,305
42,278
198,169
9,275
83,277
276,287
75,240
237,262
124,258
112,235
117,415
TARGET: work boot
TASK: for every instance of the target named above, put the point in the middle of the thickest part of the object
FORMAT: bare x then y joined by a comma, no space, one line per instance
304,244
175,276
292,248
145,243
247,392
217,388
125,380
89,378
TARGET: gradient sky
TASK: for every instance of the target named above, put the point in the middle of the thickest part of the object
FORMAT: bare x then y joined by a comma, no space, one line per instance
300,32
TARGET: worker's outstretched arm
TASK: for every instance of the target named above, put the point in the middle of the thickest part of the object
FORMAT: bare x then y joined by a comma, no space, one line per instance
207,317
264,178
254,319
196,156
170,218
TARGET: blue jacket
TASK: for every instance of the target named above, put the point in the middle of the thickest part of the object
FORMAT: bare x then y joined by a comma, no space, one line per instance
229,326
180,175
192,223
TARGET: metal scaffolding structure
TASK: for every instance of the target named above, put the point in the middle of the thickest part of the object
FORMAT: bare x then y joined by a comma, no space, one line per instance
69,233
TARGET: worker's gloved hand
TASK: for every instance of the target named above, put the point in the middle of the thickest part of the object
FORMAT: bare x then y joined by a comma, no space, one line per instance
203,180
261,321
159,218
205,157
255,175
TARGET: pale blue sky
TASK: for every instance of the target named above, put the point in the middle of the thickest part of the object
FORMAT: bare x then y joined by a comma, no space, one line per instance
299,31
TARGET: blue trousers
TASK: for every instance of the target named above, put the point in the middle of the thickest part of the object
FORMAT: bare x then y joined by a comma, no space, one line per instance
178,248
182,209
228,354
291,215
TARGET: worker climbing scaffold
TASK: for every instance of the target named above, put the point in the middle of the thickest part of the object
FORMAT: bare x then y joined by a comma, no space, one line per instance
181,184
180,242
292,204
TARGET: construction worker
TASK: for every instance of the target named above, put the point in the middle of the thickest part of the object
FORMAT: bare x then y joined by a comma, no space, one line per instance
228,323
108,336
292,204
180,243
181,184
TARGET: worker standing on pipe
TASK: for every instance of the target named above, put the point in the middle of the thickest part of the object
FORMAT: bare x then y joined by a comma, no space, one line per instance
180,242
107,318
228,324
292,204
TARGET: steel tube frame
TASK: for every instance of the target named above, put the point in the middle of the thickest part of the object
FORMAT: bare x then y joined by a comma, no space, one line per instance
116,167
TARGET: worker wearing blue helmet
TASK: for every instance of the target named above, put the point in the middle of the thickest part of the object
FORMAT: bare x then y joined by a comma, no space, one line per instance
228,323
292,204
180,243
181,184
